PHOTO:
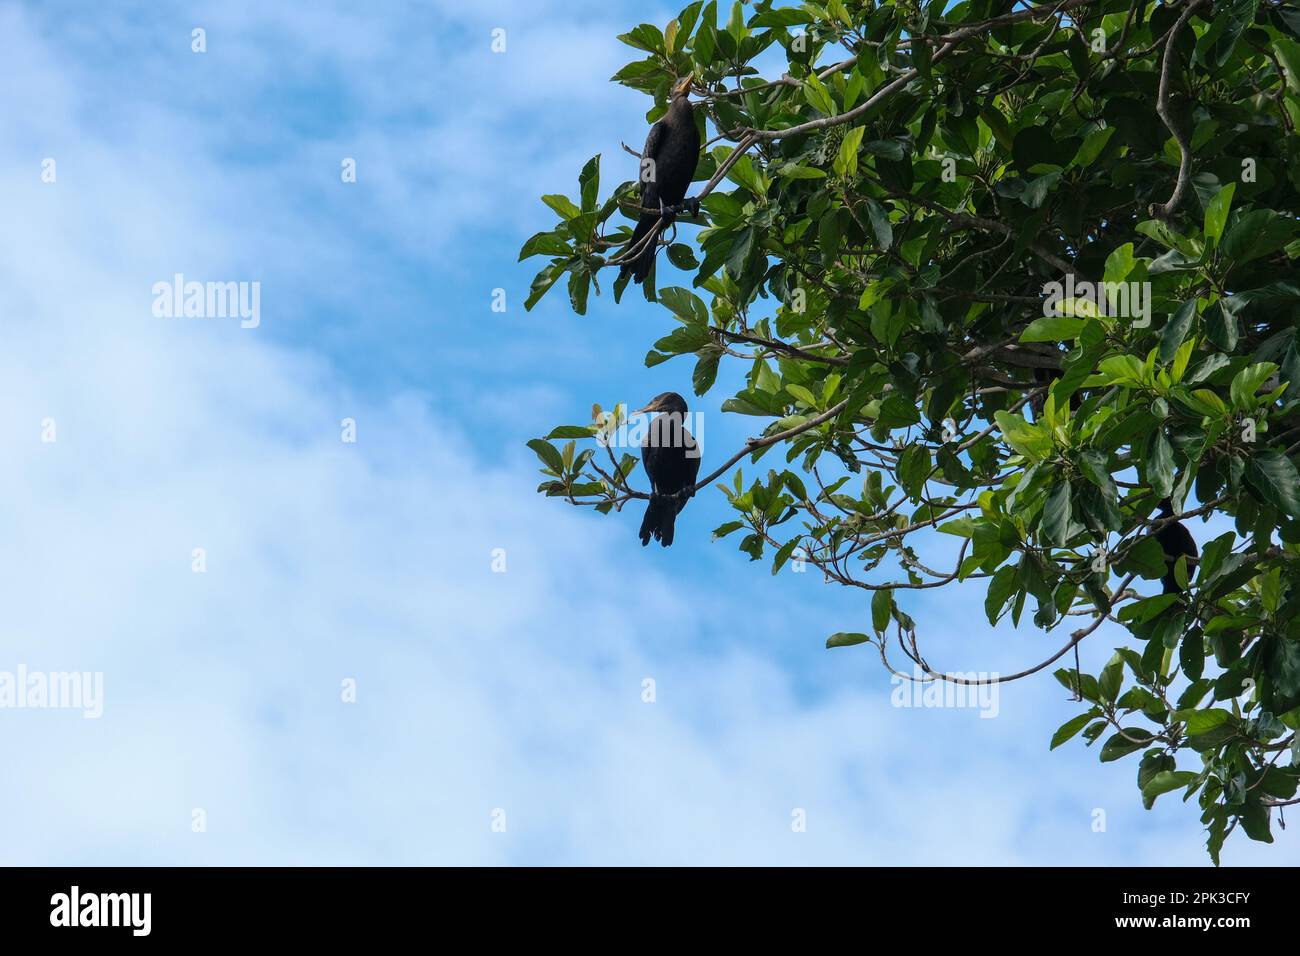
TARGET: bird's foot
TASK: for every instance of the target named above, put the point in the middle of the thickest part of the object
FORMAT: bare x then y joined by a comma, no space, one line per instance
667,214
690,207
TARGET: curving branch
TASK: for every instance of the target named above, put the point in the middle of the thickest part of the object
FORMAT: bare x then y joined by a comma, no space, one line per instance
1075,638
1167,209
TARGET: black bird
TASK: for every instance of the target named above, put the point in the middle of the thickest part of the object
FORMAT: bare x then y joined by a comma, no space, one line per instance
672,460
1176,541
668,162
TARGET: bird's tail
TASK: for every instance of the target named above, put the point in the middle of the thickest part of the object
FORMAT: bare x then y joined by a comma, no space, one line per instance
640,266
659,521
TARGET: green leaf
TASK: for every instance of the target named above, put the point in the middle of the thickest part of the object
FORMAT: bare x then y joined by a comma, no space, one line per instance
1002,585
1111,679
705,43
1255,821
1139,612
1053,328
746,173
1239,15
589,183
706,370
1247,382
844,639
882,603
1092,147
684,304
1274,477
1216,212
781,17
725,529
1203,721
802,394
542,283
801,172
1070,728
740,250
1055,525
818,97
880,223
783,555
846,162
645,37
1221,324
571,431
681,255
549,454
579,286
545,244
1095,467
1167,780
1121,370
1119,263
1175,331
1029,440
1160,464
1121,745
563,205
1147,558
914,468
1257,233
1288,54
891,149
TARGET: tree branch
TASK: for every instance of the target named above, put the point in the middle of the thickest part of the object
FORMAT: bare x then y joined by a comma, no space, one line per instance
1166,210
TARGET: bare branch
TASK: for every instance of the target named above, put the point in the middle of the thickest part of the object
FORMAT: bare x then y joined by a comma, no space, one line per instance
1167,209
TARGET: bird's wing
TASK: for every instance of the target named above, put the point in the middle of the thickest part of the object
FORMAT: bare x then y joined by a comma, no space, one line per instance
650,460
653,144
654,140
692,463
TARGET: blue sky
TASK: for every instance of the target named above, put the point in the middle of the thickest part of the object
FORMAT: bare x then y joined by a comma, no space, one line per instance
477,691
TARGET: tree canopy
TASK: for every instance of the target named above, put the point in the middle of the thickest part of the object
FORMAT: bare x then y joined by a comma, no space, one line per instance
1006,276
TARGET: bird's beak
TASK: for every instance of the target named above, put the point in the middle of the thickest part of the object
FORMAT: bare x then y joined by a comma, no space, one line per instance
652,407
685,84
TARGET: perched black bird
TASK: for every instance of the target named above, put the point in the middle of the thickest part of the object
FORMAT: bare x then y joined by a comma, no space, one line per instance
1176,541
668,162
672,460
